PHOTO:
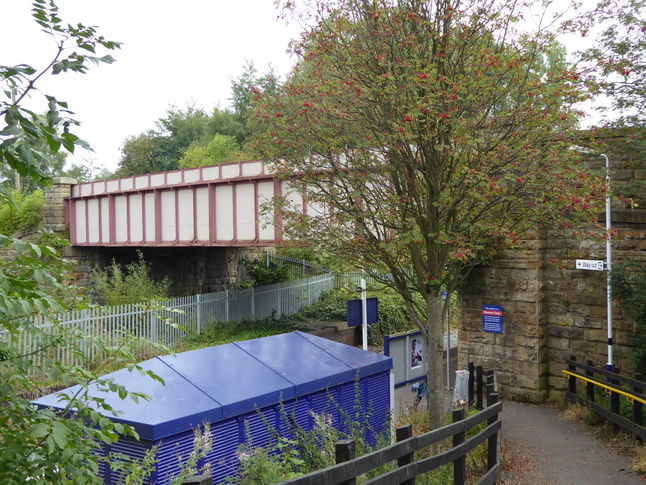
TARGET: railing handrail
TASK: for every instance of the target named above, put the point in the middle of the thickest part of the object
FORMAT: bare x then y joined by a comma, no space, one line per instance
609,387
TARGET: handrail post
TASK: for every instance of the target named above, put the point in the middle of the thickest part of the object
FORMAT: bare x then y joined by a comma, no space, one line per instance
492,447
589,386
571,383
479,384
638,407
344,451
460,464
402,433
472,378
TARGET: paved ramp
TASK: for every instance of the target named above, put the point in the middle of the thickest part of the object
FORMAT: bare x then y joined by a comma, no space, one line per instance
551,450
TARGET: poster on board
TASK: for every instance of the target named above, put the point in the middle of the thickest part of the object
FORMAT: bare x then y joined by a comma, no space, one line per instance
416,349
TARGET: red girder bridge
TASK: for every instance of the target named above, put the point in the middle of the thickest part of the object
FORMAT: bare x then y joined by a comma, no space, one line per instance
212,206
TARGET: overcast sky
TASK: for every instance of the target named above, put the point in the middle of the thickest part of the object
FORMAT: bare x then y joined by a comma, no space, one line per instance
174,52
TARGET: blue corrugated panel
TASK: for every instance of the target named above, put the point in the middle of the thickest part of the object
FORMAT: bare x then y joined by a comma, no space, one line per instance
227,384
128,447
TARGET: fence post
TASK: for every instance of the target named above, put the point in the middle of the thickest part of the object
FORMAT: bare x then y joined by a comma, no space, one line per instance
345,451
472,378
479,382
571,383
589,386
460,463
638,407
492,447
198,316
402,433
226,305
614,402
153,327
253,303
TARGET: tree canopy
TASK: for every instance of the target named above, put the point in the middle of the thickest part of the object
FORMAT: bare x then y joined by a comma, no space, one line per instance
182,138
425,136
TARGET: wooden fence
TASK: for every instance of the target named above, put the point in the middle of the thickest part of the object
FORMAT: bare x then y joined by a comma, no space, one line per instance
614,388
401,455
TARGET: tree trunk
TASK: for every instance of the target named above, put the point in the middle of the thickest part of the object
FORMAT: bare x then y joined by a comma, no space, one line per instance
434,349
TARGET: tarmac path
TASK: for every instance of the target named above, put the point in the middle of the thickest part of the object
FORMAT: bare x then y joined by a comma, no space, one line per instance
551,450
547,449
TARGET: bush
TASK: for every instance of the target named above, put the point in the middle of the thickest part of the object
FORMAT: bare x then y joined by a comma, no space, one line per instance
261,274
124,285
628,280
22,213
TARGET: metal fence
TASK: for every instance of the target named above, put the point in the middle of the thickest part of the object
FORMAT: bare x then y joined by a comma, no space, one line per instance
296,268
167,323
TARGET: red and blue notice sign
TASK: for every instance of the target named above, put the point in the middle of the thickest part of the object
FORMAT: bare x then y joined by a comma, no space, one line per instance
492,318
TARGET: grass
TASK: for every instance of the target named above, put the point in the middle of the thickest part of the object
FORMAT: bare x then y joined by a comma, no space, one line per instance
233,332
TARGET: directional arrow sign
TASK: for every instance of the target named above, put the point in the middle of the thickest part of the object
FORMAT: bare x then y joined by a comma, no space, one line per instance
589,264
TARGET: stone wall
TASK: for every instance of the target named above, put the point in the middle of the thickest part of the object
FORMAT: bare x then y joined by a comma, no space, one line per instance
191,270
551,311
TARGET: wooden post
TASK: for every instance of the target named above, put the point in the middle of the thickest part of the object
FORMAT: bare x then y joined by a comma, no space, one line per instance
614,402
589,387
638,407
479,382
460,464
472,378
492,447
571,383
403,433
345,451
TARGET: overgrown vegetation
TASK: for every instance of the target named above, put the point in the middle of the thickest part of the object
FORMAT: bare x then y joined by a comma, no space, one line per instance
260,273
628,279
120,284
21,213
301,451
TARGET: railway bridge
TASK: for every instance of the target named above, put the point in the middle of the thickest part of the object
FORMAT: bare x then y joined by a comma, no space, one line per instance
193,225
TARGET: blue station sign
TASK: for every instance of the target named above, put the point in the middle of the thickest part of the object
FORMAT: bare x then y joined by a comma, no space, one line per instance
492,318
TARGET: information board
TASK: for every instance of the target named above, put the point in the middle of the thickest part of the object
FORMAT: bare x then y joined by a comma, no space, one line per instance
355,314
492,318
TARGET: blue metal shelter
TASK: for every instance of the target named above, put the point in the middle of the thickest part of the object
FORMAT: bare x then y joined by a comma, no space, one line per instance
230,386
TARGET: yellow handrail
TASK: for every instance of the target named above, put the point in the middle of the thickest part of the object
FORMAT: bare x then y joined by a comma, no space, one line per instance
629,397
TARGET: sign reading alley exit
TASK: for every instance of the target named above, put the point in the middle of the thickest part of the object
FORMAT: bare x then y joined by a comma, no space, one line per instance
492,318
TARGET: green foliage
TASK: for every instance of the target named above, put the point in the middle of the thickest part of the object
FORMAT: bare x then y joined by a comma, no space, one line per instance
21,213
133,472
617,57
306,451
43,446
261,274
123,285
24,131
430,134
628,280
222,149
190,465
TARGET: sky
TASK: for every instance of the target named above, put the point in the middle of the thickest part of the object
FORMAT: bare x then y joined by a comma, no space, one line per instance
173,53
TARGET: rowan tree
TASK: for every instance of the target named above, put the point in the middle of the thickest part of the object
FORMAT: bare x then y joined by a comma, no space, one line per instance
423,137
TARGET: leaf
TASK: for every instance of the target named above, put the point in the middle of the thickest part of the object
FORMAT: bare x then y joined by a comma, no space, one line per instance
40,430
